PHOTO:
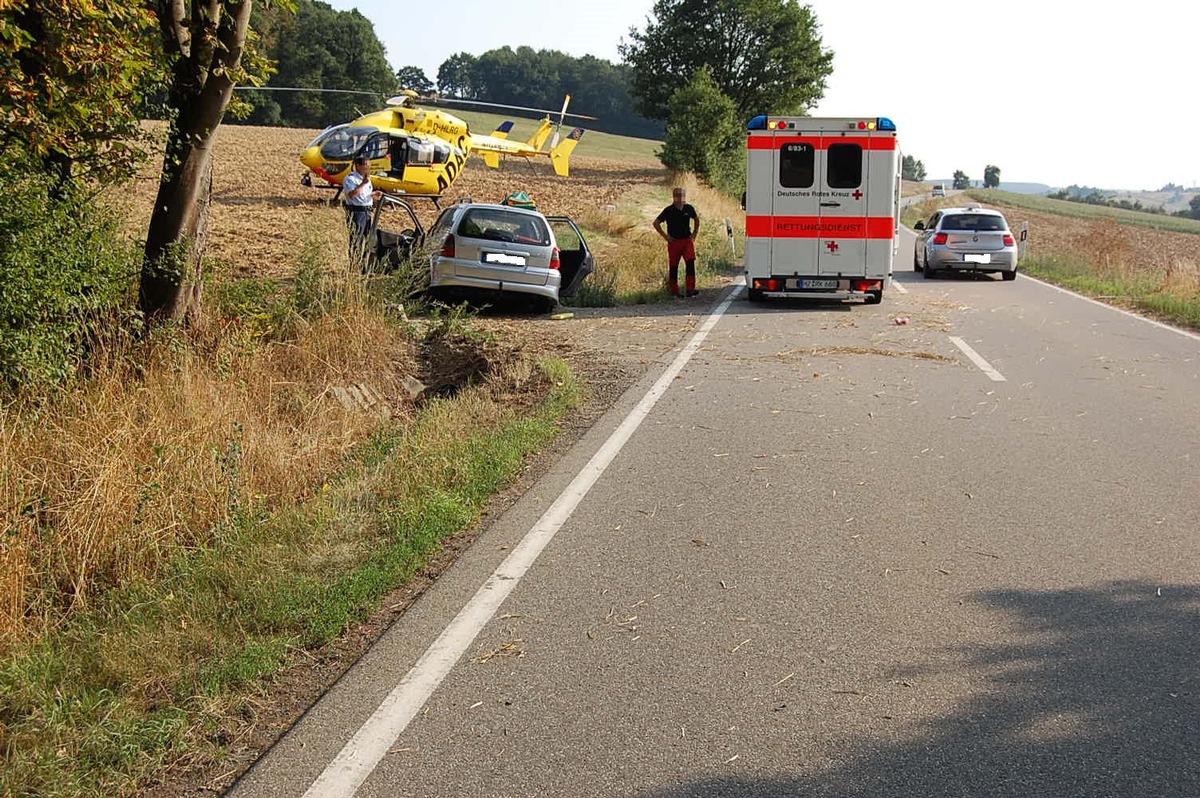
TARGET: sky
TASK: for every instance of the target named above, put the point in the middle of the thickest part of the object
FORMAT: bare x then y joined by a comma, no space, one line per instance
1058,92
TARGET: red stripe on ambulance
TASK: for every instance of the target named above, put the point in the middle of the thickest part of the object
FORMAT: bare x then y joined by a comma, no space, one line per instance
774,142
820,227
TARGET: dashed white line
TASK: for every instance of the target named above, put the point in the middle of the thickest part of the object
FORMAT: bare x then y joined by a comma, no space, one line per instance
359,757
978,360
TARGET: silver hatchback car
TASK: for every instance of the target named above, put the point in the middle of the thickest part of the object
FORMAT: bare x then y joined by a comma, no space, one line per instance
970,239
481,249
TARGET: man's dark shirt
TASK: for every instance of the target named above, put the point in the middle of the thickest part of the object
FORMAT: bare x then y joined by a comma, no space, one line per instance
677,220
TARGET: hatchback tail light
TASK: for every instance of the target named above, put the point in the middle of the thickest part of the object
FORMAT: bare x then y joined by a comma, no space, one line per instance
940,238
1009,241
448,247
554,260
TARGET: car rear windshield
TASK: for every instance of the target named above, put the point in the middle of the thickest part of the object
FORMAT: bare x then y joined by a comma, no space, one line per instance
974,221
497,224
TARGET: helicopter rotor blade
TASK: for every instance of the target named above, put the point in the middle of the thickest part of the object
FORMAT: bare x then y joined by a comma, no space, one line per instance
510,107
292,88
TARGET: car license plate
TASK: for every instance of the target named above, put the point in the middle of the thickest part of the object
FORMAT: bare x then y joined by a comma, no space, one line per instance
812,283
501,258
977,258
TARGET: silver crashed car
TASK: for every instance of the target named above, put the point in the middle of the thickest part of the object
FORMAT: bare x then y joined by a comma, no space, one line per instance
969,239
480,250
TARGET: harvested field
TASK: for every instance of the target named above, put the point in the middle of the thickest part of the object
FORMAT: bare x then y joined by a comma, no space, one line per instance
260,210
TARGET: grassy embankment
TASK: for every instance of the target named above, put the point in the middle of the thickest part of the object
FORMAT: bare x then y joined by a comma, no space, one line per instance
202,512
1139,261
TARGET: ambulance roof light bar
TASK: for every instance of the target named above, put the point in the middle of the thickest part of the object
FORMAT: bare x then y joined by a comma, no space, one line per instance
762,122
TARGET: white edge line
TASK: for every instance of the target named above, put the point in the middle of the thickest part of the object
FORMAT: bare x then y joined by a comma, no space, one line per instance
359,757
1161,325
1122,311
975,357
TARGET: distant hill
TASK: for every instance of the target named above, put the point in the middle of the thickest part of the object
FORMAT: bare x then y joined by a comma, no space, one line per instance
1171,198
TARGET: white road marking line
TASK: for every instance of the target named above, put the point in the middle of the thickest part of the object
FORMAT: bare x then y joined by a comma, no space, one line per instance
899,287
1068,292
983,365
358,758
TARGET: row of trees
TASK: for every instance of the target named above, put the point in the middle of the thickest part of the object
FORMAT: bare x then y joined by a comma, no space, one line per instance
1095,196
912,169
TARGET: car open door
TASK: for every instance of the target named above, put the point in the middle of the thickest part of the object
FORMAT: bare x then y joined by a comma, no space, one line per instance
575,259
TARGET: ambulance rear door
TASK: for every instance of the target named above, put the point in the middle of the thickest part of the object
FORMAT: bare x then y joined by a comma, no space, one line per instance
795,203
843,180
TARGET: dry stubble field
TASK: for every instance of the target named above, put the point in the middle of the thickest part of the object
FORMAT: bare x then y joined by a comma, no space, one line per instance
260,209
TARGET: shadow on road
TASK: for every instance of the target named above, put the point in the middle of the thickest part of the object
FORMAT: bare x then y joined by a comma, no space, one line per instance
1097,697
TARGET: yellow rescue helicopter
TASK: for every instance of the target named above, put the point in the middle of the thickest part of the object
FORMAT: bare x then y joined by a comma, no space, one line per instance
422,151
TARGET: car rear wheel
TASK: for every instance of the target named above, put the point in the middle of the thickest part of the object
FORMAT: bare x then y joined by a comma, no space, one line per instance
916,262
1010,275
754,295
928,272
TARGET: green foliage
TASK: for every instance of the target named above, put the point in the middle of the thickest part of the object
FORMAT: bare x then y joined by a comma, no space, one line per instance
320,48
991,176
64,268
540,78
456,76
413,77
71,78
705,135
912,169
961,181
765,55
1194,207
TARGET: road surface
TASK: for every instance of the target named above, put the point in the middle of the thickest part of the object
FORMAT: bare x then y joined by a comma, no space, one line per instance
943,546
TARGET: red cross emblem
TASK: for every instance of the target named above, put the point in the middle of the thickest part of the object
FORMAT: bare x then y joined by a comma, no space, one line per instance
832,246
857,194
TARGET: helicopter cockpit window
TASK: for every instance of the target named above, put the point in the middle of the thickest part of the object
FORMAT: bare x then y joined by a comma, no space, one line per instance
420,153
441,152
343,144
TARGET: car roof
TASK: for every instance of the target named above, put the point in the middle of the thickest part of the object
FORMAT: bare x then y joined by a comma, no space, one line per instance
496,206
972,209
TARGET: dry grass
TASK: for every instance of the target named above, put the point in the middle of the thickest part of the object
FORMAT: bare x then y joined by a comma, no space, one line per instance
171,442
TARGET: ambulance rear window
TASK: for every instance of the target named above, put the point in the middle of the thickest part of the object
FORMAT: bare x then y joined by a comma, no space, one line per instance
796,163
844,166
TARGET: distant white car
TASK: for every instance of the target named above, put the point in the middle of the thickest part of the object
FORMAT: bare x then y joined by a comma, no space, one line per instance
939,190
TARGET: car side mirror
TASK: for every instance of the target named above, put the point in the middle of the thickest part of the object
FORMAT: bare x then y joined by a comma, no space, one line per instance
919,226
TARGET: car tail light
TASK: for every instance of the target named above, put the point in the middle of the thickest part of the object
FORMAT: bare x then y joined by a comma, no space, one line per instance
448,247
867,285
554,261
940,238
1009,241
767,284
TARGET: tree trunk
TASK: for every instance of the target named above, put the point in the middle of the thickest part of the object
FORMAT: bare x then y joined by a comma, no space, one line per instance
200,91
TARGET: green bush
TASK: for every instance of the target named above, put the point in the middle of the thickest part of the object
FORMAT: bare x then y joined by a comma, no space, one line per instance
64,266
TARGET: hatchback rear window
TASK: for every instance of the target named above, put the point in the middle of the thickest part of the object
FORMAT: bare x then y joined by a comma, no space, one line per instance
973,221
497,224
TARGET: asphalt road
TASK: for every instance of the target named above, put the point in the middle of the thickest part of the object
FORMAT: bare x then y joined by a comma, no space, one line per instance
833,555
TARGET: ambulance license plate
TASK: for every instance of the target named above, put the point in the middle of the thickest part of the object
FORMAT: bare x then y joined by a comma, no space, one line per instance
977,258
812,283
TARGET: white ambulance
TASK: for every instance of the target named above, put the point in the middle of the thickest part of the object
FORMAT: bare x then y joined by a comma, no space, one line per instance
822,207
